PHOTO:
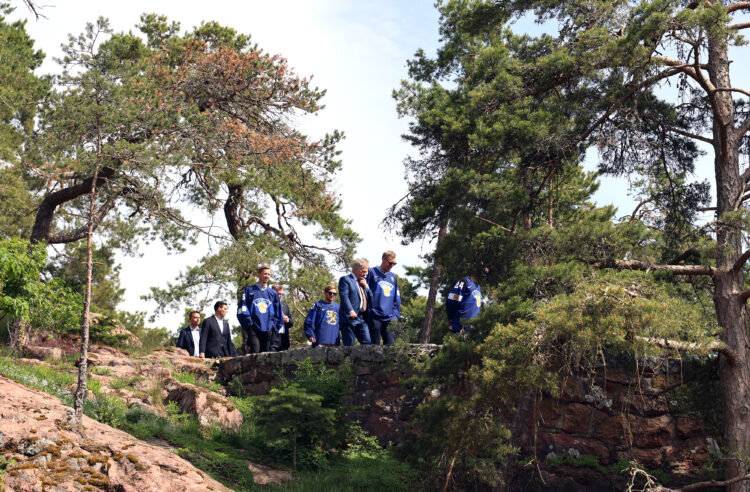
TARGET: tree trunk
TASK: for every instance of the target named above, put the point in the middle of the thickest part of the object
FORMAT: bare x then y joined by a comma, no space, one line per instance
80,394
729,281
424,334
17,333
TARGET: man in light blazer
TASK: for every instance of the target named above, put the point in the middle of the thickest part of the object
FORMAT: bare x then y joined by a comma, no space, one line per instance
216,339
356,298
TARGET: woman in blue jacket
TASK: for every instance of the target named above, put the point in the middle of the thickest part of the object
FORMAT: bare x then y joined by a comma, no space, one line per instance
322,322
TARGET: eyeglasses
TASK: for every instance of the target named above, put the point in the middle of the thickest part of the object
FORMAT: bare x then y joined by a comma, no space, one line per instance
391,263
329,293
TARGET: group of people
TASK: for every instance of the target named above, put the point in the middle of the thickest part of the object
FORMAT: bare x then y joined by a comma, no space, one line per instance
369,300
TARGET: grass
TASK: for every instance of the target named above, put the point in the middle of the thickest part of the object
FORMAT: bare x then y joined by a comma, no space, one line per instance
189,378
104,408
219,455
101,371
355,472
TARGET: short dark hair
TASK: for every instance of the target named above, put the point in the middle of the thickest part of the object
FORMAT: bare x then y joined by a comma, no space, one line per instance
195,312
218,304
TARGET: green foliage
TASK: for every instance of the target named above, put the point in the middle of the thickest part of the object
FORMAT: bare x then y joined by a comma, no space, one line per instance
27,301
190,378
101,371
583,460
357,472
292,414
47,379
107,409
329,384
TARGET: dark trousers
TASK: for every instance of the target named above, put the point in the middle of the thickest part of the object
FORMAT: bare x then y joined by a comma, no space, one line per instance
379,329
280,341
255,341
349,332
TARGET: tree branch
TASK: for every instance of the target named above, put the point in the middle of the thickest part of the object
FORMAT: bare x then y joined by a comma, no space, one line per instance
82,232
741,261
689,135
732,89
714,483
738,6
716,346
493,224
644,266
740,25
42,229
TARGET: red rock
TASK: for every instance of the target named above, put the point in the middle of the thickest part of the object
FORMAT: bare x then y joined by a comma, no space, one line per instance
688,426
572,391
618,376
210,408
687,456
613,430
650,458
549,412
651,432
42,353
577,418
123,462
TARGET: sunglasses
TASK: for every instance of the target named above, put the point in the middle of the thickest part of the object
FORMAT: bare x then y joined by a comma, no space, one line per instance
331,293
391,263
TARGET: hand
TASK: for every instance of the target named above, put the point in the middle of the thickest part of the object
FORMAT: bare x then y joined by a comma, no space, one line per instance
202,356
363,283
352,315
312,339
286,319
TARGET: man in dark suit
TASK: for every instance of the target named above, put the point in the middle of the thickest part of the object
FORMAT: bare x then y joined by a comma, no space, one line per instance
280,338
189,338
356,299
216,339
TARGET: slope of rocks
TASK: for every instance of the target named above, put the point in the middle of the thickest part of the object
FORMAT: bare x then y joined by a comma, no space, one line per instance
49,454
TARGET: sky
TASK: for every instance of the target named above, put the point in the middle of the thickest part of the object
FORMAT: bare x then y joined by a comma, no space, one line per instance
356,51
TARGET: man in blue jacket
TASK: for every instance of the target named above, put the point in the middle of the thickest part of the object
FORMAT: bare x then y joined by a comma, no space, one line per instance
322,322
463,303
259,313
386,300
356,298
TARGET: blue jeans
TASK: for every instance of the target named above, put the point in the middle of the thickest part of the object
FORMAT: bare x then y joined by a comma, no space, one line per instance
348,332
379,328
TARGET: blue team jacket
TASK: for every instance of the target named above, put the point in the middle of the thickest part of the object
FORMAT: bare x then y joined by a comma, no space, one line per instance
464,302
322,322
260,308
386,299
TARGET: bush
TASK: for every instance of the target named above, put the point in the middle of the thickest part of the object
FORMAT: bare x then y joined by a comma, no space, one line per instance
107,409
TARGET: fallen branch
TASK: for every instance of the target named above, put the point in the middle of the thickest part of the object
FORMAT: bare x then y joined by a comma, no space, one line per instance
645,266
716,346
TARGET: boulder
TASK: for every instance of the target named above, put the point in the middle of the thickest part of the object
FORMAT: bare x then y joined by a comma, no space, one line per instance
42,353
211,408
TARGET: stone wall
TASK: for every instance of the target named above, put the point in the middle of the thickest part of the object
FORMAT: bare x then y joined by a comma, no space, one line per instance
621,414
382,404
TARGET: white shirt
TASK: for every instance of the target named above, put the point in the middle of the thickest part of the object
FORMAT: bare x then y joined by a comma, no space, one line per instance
196,340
